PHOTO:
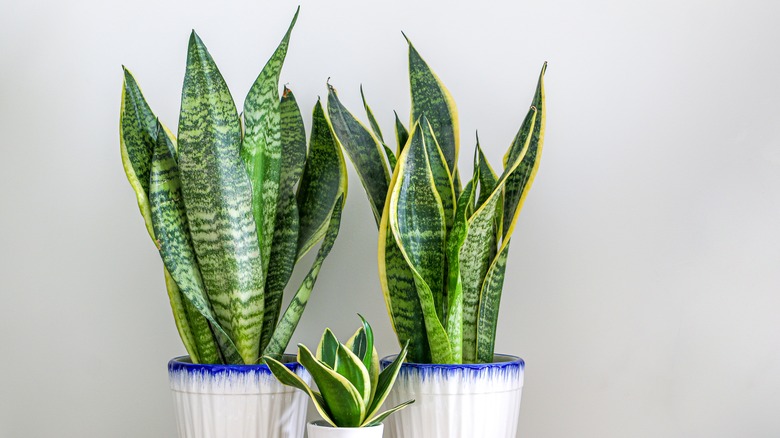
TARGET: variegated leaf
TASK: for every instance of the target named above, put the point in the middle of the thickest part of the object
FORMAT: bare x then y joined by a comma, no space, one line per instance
365,151
401,134
418,223
324,180
527,148
218,197
284,250
343,400
261,148
286,327
431,98
441,174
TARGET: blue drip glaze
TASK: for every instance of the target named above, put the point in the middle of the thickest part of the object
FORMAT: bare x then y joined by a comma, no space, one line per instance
502,363
184,364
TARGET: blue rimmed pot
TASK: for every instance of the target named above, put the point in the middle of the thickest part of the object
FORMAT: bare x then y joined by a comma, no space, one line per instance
457,401
236,401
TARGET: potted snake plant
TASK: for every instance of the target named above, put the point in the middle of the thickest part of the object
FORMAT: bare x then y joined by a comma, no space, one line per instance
351,387
443,249
232,203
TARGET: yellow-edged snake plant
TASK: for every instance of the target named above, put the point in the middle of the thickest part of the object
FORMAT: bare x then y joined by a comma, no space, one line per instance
442,246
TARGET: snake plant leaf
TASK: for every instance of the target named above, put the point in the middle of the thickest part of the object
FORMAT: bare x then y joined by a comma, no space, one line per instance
181,317
218,197
487,176
401,133
292,314
365,151
368,334
489,303
519,183
477,253
289,378
324,180
351,367
358,343
371,119
261,148
343,400
391,158
431,98
455,282
284,249
386,381
418,224
527,147
326,350
169,220
399,290
378,419
441,174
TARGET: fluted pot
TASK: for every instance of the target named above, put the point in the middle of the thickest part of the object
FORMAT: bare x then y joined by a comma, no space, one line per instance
236,401
321,429
457,401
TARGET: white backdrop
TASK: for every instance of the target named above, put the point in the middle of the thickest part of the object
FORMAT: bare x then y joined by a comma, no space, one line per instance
643,287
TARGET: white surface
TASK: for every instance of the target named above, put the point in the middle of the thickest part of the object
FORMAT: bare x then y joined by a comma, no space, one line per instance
237,405
317,430
459,403
643,284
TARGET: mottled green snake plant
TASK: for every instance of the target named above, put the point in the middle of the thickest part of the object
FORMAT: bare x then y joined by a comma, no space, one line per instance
233,203
442,246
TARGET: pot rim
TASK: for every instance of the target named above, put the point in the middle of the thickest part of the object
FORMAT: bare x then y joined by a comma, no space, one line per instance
325,425
499,361
184,363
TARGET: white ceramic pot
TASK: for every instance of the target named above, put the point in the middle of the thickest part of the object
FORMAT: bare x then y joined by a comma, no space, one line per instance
321,429
457,401
236,401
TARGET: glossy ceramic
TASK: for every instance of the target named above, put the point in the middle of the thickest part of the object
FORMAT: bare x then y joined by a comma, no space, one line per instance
321,429
236,401
457,401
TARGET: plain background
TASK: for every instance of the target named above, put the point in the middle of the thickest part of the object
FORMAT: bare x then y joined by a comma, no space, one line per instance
643,287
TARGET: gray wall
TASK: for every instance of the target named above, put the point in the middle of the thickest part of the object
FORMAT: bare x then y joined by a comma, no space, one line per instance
643,279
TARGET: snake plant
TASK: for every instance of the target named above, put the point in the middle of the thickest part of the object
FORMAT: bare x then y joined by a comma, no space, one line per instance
351,387
233,203
442,246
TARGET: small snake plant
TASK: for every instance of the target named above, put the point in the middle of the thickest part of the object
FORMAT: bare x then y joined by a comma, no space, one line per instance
233,203
442,247
351,387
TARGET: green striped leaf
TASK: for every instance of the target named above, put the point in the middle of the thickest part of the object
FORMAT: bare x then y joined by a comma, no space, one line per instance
262,146
289,378
292,314
418,224
324,180
400,293
218,197
172,231
487,176
477,253
365,151
284,249
371,119
527,149
344,402
401,134
441,174
490,301
431,98
363,346
137,133
455,282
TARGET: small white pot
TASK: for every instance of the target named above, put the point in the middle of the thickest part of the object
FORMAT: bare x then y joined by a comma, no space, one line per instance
321,429
457,401
236,401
